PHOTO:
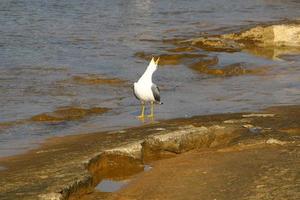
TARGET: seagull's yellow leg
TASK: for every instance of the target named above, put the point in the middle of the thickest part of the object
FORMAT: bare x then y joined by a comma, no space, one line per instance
142,112
152,110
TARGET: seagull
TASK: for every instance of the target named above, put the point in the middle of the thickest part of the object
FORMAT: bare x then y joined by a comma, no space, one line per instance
145,90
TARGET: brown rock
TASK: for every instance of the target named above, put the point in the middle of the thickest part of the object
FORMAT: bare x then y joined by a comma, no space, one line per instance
216,44
67,113
96,79
202,65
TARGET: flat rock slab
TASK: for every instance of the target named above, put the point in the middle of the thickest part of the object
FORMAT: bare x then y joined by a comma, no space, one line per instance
260,172
70,167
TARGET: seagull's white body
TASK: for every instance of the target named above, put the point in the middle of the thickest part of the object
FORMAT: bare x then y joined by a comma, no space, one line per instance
143,88
143,91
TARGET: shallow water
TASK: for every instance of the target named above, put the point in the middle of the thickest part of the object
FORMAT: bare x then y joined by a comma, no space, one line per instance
111,185
43,45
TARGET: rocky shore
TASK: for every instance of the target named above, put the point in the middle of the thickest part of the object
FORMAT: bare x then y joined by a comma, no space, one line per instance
224,156
70,167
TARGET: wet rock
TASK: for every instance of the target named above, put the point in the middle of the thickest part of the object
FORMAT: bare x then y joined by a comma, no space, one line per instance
188,138
202,65
237,69
67,114
215,44
265,36
269,41
260,36
224,135
234,70
176,141
60,115
161,145
130,150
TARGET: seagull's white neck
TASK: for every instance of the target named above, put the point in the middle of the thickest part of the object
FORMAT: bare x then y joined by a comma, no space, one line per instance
147,76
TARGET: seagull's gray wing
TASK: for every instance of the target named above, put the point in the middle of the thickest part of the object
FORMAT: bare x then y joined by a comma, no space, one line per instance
155,92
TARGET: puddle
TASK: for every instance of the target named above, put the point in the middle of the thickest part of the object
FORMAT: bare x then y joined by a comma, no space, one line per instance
147,168
108,185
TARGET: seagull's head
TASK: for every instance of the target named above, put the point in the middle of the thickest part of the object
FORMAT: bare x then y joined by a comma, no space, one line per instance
153,64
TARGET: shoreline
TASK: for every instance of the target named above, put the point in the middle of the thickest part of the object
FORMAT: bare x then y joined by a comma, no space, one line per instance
71,166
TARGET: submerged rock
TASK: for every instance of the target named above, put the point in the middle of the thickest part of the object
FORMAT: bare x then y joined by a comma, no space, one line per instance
215,44
203,64
93,79
205,67
67,114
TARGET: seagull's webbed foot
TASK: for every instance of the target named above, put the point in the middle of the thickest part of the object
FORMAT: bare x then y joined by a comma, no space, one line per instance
141,117
150,116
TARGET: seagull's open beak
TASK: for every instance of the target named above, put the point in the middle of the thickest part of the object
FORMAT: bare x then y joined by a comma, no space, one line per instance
156,62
